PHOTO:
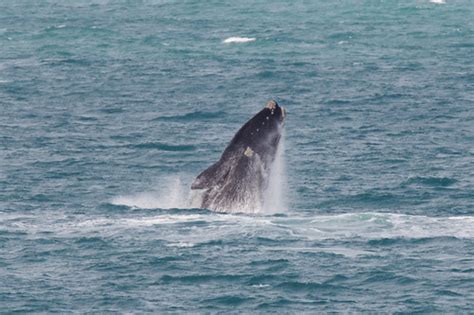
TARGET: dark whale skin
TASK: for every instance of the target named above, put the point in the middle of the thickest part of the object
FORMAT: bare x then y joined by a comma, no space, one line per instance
238,179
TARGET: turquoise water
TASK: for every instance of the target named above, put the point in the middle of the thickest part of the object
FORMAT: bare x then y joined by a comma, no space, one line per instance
109,109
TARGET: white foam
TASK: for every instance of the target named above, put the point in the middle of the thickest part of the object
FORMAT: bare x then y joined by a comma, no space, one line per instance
136,222
341,226
162,219
236,39
348,252
181,230
438,1
181,244
386,225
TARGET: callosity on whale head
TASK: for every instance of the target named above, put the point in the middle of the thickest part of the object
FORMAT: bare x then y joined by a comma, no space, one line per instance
237,181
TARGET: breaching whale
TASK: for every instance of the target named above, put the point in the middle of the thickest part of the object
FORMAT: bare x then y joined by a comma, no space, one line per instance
236,183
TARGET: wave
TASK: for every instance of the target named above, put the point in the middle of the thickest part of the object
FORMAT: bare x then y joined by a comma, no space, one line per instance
430,181
164,146
197,115
236,39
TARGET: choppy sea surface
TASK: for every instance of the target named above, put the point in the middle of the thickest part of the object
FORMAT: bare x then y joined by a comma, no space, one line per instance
109,109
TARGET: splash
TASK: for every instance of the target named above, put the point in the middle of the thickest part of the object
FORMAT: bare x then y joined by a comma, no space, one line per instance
172,193
275,198
175,193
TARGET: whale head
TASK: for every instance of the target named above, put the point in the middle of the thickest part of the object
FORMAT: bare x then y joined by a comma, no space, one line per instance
261,133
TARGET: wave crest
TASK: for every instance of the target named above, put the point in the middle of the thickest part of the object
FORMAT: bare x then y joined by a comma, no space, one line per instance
236,39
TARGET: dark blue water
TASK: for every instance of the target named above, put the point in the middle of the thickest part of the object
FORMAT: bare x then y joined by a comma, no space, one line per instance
109,109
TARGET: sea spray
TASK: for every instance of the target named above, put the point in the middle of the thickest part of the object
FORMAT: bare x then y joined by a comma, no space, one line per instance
171,193
275,195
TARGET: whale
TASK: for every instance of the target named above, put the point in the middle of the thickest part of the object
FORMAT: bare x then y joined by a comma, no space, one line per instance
238,180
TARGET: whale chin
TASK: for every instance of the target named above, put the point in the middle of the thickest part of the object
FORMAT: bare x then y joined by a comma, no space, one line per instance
237,181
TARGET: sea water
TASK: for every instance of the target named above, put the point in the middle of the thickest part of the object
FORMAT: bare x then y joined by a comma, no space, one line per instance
109,109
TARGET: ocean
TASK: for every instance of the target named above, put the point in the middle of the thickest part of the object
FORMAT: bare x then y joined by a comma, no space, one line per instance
110,109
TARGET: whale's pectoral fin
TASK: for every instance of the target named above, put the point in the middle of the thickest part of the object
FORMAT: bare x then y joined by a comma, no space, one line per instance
211,176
